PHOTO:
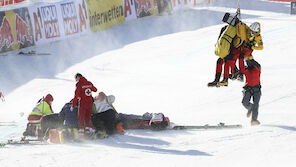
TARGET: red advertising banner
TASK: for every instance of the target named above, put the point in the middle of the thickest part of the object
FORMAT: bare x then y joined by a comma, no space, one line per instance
146,7
15,30
10,2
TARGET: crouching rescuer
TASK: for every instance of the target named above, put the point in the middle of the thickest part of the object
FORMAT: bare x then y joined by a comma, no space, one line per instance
42,108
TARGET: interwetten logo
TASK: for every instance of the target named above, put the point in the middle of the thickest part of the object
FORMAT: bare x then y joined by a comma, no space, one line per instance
106,16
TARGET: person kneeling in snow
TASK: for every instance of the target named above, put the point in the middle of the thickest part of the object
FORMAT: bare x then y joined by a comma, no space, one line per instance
105,117
42,108
70,120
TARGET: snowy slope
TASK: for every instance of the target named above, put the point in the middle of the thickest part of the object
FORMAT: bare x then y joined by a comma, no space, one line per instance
162,64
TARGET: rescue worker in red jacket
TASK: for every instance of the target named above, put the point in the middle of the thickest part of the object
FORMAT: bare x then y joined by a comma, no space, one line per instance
252,89
83,93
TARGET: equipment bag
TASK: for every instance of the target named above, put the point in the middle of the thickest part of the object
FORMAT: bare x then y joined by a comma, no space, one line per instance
56,136
241,34
225,41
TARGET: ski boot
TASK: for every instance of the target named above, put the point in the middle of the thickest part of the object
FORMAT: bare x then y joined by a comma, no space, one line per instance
119,128
255,122
213,84
224,82
249,114
99,135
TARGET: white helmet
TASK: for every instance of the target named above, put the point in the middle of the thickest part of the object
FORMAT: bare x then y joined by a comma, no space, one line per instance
110,99
255,27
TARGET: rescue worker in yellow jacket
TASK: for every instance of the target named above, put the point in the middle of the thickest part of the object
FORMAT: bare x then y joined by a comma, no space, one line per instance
253,42
42,108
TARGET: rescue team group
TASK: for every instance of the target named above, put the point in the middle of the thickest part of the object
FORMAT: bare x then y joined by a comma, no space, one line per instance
97,117
87,117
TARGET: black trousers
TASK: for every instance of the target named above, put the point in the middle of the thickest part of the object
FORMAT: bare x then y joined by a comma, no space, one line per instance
51,121
105,121
255,93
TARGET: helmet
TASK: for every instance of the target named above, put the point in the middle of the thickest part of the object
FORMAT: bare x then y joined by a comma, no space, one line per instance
255,27
48,98
110,99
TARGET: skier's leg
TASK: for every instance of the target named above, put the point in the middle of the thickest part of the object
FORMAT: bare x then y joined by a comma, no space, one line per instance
224,82
88,115
109,121
219,65
256,99
97,121
81,118
246,102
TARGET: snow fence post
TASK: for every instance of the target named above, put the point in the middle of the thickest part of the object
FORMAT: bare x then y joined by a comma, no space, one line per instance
293,7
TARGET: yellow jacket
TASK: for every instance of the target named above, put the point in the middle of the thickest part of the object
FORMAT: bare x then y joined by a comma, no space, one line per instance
42,108
256,42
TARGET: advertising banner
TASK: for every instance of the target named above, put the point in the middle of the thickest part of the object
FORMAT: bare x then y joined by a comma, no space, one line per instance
178,4
129,10
104,13
164,6
45,21
83,20
58,21
10,2
146,8
15,30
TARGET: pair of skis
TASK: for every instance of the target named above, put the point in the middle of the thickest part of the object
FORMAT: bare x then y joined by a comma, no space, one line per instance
220,126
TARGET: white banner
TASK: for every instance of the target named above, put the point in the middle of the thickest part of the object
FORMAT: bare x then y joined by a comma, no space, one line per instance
52,22
83,19
46,24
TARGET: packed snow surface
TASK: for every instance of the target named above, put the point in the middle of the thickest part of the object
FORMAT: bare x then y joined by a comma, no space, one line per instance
161,64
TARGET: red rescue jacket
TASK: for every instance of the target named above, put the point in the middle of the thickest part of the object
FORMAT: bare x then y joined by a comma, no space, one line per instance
253,75
83,92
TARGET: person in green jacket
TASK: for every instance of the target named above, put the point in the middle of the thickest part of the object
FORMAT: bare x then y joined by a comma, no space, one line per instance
42,108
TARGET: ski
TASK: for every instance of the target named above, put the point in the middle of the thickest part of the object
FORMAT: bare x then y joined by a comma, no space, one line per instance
23,141
219,126
7,123
32,53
